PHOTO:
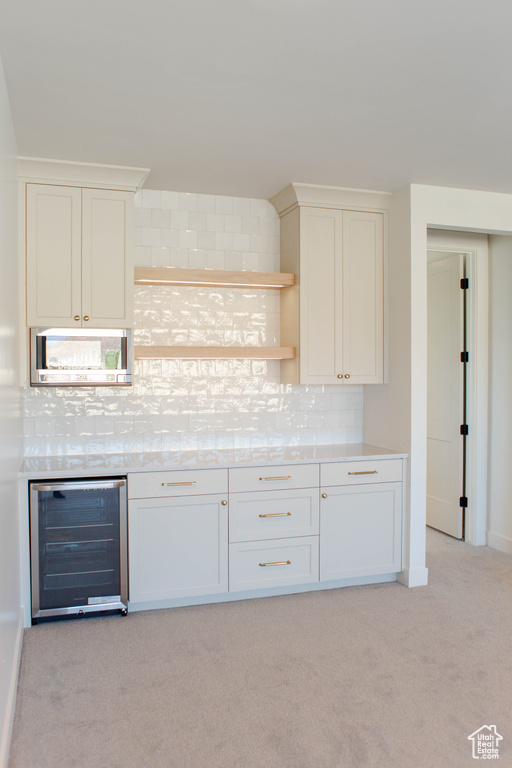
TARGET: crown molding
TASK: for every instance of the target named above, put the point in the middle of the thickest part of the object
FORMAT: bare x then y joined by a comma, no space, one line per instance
66,173
318,196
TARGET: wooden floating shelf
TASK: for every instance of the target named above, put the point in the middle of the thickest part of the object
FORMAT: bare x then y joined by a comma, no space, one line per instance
212,278
214,353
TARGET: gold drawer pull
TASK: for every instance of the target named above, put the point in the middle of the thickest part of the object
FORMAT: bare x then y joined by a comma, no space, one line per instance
285,477
366,472
277,514
280,562
188,482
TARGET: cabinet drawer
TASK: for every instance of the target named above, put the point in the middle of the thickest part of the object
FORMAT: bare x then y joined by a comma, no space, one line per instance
270,478
256,565
358,472
185,482
273,514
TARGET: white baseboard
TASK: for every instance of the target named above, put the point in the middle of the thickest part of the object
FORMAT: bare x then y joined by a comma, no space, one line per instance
413,577
503,543
13,688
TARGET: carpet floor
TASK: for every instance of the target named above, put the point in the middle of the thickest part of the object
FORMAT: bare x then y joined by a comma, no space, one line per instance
376,675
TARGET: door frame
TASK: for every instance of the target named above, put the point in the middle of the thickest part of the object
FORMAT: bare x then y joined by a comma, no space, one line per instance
475,246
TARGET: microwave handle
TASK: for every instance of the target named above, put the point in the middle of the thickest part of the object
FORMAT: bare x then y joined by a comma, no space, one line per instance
65,486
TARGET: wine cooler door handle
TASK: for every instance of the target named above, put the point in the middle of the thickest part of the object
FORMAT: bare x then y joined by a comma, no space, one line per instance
78,486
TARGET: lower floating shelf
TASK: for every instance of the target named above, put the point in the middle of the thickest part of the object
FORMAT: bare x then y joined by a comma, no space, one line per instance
214,353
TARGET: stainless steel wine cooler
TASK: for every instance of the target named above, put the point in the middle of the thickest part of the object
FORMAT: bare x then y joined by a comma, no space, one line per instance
78,547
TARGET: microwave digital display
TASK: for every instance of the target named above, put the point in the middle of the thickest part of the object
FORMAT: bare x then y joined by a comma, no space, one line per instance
85,357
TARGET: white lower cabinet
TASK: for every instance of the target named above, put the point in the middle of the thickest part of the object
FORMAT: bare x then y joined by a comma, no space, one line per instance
287,526
361,530
178,545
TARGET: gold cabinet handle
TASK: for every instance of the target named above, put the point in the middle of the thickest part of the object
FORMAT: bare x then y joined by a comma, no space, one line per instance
277,514
324,495
223,502
279,562
189,482
284,477
77,317
366,472
340,375
347,375
86,317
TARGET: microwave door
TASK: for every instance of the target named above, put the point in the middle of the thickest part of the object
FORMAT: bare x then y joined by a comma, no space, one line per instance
84,357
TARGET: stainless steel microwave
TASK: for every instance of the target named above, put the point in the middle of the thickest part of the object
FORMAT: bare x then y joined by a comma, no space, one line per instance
85,357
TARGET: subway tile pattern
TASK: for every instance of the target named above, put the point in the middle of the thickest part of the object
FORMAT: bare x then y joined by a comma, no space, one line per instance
180,405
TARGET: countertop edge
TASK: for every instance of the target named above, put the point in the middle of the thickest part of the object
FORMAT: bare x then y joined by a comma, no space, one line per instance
111,465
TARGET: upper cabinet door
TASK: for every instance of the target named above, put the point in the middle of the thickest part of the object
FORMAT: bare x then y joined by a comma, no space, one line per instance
321,277
363,292
107,269
53,255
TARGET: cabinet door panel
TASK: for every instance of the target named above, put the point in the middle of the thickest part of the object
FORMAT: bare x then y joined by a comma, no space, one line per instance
107,271
361,531
321,286
178,547
53,255
363,297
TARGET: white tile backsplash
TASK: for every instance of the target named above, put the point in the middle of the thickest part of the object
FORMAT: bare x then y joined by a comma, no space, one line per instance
197,404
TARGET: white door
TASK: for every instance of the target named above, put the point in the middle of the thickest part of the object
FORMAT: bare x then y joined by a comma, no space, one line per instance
361,530
53,256
363,297
178,547
107,270
445,393
321,289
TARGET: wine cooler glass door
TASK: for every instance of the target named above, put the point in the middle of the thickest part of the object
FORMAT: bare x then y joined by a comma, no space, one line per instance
78,543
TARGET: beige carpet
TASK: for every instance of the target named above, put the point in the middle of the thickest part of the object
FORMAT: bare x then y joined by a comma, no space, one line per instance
366,676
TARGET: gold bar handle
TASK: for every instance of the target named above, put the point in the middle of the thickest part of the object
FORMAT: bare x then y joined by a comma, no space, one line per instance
284,477
366,472
188,482
280,562
277,514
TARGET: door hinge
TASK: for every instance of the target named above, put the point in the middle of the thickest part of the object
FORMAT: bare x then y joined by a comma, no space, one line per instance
464,357
464,429
463,501
464,283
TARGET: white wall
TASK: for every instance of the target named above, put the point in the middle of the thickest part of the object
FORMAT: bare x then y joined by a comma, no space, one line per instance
439,208
10,424
499,520
389,412
197,404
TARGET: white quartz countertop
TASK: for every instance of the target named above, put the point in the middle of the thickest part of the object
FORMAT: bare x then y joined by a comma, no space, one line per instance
121,464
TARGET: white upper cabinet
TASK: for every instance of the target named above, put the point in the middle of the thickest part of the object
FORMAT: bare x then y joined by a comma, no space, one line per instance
79,261
334,315
79,242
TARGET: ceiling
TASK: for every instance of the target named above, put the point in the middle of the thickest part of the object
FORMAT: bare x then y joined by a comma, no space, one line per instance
241,97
